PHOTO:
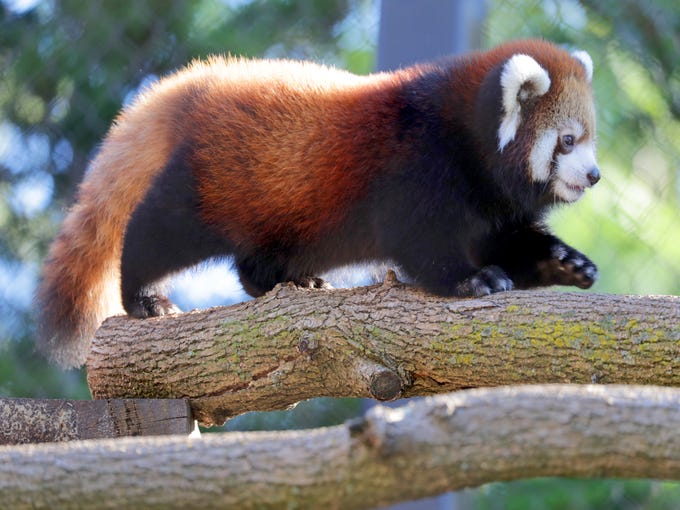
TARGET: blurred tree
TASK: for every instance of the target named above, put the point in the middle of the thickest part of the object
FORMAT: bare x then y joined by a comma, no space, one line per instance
650,31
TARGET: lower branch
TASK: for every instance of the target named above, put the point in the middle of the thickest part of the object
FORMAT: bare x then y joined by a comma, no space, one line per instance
438,444
382,341
26,420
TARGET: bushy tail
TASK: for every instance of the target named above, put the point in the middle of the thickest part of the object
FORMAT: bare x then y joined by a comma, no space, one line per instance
80,285
81,276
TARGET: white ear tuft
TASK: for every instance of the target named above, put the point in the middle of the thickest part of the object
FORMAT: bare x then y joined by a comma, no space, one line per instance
522,78
586,61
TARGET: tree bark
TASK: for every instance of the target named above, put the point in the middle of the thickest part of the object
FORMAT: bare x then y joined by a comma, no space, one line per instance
29,420
382,341
437,444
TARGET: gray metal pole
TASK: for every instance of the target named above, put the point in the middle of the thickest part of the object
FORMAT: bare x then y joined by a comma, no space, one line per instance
418,30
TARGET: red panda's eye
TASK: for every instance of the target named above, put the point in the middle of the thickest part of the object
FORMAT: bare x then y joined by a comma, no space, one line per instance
567,143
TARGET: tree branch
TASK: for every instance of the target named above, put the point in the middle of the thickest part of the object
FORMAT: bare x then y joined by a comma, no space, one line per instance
383,341
438,444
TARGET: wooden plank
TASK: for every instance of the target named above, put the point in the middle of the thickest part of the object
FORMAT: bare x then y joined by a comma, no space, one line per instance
24,420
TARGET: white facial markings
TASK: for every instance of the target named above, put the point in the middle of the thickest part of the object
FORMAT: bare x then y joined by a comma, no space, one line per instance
522,78
542,154
508,130
586,61
571,164
571,175
577,129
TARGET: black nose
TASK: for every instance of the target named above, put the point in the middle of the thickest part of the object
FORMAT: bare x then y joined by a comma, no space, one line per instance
593,175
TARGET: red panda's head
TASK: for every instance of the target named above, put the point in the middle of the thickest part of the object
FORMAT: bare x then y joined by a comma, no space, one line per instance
548,120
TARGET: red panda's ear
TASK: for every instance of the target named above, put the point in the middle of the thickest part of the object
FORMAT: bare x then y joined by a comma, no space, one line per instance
586,62
522,79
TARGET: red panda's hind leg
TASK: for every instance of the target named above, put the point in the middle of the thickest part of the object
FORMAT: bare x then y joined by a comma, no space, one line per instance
253,285
152,305
165,234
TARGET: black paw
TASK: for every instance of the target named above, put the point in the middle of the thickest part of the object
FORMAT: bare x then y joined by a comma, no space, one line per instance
486,281
151,306
312,282
569,267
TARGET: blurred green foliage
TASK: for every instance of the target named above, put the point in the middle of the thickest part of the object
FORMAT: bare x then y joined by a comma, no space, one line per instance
628,224
566,494
67,66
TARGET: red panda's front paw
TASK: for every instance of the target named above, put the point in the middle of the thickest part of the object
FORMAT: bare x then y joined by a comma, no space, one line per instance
152,306
486,281
571,267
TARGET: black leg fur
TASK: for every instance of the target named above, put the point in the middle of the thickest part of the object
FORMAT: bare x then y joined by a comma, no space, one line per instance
534,258
164,235
443,275
258,275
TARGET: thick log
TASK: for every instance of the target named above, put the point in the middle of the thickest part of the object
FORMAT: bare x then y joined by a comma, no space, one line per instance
383,341
425,448
24,420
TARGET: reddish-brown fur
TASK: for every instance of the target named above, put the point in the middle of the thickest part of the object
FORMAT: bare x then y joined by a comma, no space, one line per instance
292,199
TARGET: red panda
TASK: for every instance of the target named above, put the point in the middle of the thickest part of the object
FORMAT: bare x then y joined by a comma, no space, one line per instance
292,168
